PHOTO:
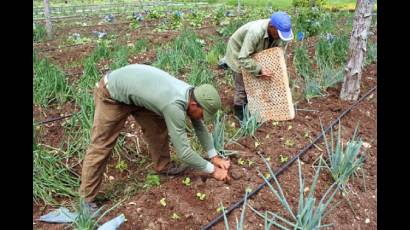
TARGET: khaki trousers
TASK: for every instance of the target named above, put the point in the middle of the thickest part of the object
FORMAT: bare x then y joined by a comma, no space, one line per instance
109,119
240,94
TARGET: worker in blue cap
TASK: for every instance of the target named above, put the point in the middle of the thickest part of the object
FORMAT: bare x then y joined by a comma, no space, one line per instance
249,39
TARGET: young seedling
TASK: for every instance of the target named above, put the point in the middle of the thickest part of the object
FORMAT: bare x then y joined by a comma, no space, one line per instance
241,161
187,181
175,216
201,196
275,123
151,181
250,163
283,159
289,143
306,135
121,166
163,202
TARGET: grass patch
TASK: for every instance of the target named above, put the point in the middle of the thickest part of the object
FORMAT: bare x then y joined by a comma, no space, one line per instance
51,178
49,83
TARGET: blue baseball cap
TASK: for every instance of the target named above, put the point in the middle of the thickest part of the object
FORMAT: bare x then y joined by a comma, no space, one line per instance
281,22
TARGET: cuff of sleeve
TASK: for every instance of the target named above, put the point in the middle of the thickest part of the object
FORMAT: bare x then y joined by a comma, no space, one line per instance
212,153
209,168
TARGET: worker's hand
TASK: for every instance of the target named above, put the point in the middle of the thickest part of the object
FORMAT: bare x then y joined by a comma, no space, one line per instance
220,174
221,163
266,73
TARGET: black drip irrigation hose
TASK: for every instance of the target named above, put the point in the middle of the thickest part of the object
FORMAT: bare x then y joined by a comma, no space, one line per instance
54,119
289,163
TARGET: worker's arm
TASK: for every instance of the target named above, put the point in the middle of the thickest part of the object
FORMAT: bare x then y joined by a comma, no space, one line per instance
175,121
248,48
207,143
204,137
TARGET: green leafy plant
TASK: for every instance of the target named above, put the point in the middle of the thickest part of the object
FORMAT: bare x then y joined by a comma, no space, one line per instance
289,143
241,161
283,159
175,216
151,181
187,181
163,202
309,213
121,165
200,196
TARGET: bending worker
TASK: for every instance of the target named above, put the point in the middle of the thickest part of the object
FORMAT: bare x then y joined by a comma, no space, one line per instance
160,104
249,39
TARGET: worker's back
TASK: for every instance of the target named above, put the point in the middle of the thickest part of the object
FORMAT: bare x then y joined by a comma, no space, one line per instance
147,86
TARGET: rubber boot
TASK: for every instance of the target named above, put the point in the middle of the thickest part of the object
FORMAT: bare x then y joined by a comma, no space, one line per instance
238,112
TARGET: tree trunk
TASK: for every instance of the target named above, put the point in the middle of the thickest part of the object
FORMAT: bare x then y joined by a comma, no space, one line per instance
357,50
48,19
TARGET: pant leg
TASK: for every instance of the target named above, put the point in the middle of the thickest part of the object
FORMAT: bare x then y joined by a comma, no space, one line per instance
240,94
155,133
109,118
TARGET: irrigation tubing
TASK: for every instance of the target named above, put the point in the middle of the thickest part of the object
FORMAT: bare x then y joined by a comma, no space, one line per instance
54,119
289,163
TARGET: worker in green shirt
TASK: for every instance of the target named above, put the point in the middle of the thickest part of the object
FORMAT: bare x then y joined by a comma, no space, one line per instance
160,104
249,39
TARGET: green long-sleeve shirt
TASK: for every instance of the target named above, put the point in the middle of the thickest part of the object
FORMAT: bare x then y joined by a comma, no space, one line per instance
250,38
157,91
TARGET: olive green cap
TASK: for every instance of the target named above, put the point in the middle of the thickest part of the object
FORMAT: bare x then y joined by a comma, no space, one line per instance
208,98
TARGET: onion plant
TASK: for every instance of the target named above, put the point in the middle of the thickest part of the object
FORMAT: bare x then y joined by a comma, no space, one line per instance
239,224
51,177
309,214
343,162
120,58
49,83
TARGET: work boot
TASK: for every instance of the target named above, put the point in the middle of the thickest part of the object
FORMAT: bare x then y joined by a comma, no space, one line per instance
174,169
238,112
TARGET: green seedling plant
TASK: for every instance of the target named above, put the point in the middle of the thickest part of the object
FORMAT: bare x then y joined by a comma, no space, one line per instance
49,83
151,181
163,202
289,143
309,213
175,216
218,135
343,161
283,159
241,161
201,196
187,181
